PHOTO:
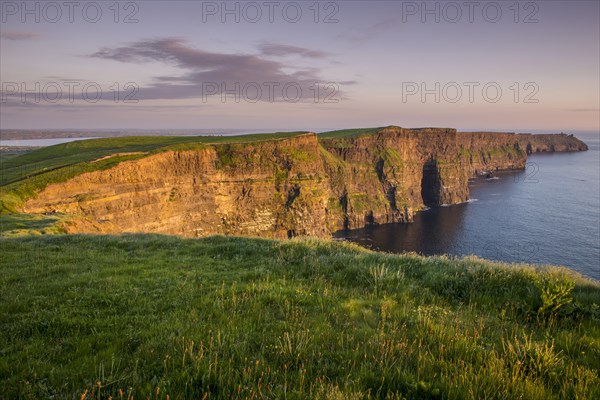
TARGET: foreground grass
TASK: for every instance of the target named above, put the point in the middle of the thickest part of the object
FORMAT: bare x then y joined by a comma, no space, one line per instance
17,225
147,316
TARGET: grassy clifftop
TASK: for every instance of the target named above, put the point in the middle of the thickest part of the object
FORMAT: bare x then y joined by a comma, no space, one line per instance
344,133
67,154
63,161
23,176
146,316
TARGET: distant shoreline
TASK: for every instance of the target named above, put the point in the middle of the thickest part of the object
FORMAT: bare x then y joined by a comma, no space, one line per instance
36,134
32,134
18,149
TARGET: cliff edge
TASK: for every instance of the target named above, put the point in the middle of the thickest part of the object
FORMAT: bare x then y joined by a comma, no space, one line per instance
281,185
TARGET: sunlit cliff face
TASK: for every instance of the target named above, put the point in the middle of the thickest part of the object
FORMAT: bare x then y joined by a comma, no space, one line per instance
283,188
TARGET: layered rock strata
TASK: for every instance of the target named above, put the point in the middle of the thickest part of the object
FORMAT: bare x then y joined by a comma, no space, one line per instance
303,185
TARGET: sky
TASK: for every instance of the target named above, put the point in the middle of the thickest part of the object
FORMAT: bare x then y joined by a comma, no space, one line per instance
300,65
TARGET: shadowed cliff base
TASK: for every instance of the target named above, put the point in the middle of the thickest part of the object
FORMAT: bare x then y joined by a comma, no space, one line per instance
278,185
430,184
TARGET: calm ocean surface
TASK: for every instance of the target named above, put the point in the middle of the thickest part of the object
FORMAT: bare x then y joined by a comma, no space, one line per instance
548,214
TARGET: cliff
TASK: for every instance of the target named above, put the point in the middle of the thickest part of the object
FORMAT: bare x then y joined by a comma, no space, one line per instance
550,143
388,175
272,188
305,184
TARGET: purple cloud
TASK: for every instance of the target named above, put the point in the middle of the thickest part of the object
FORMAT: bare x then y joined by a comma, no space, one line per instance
12,35
210,73
282,50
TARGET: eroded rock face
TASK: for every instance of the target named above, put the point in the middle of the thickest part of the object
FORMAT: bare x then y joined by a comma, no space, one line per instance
382,177
550,143
287,187
483,152
264,189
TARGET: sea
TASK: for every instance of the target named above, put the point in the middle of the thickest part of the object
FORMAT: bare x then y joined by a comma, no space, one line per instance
40,142
548,214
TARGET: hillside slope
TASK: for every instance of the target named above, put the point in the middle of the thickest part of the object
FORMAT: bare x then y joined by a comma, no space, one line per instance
147,316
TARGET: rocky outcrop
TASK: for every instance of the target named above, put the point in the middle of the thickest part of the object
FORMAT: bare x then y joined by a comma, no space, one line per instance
387,176
273,189
302,185
550,143
483,152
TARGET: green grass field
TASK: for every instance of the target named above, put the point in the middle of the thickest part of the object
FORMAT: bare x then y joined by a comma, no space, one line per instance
157,317
346,133
23,175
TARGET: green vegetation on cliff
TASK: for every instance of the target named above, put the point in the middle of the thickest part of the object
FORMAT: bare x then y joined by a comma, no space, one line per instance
24,175
147,316
344,133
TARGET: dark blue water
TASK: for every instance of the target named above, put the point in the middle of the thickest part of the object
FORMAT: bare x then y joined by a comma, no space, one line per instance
547,214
